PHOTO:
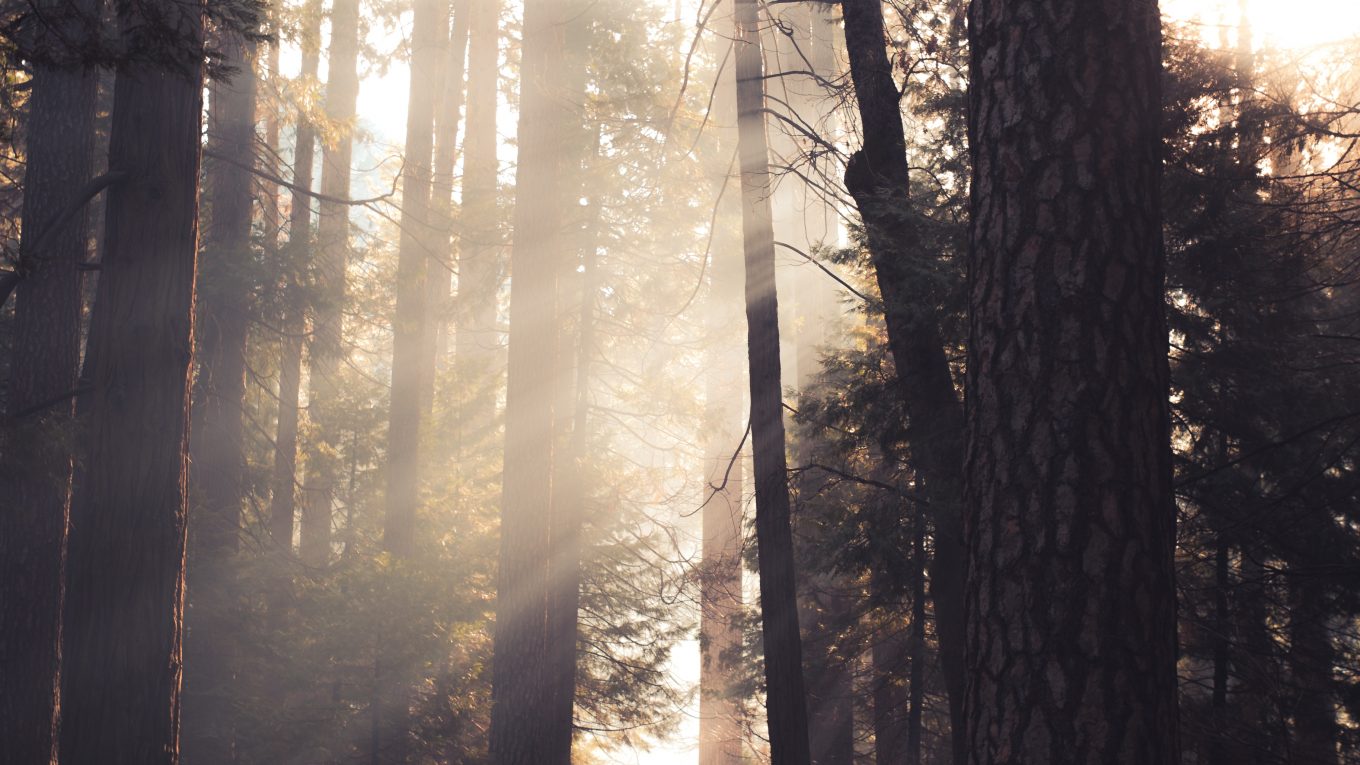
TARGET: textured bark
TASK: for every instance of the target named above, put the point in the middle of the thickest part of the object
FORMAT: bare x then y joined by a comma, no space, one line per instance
878,179
1312,657
125,573
36,483
217,444
523,728
786,702
442,257
477,339
296,254
327,348
1071,526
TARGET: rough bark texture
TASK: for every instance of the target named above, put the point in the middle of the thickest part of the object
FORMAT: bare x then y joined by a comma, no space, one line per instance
125,573
786,702
36,482
480,268
1071,526
877,177
523,727
327,349
217,445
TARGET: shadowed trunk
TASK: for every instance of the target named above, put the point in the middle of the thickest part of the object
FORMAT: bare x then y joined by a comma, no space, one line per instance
35,479
878,179
125,575
1071,521
786,702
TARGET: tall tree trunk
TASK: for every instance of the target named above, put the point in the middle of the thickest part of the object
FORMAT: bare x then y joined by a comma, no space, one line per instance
1071,523
878,179
1311,665
786,702
442,258
477,340
297,253
125,573
327,350
524,730
217,444
891,659
917,648
428,42
36,481
1222,626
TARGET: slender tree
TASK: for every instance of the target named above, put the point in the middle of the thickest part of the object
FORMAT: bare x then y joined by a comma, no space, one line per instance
786,704
217,442
327,348
1071,526
878,179
125,572
47,330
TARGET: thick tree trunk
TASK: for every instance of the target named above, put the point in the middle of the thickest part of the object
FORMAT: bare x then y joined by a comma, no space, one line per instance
878,179
786,702
36,480
327,349
125,574
217,445
477,339
524,729
1071,523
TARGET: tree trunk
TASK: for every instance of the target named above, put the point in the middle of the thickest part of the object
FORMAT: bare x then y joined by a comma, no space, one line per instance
125,575
442,258
327,349
1311,665
36,483
477,340
524,730
297,253
786,702
878,179
217,444
1071,523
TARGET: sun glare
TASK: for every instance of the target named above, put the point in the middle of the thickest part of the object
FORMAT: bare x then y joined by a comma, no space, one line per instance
1281,23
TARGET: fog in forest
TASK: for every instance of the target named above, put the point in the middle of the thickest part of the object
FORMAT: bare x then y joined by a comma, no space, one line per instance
703,382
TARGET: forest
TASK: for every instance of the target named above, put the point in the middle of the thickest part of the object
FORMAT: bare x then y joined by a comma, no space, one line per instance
662,382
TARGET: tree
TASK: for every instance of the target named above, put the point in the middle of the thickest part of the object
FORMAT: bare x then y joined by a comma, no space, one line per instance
786,703
125,574
42,385
1071,525
217,448
327,350
879,180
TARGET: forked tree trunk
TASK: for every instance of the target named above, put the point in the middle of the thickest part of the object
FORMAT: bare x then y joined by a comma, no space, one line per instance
1071,521
217,444
327,349
125,574
36,481
786,702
